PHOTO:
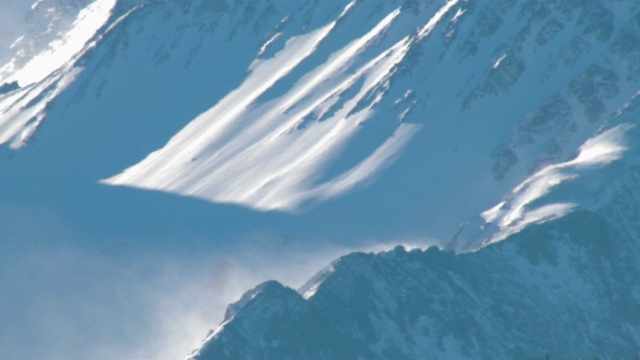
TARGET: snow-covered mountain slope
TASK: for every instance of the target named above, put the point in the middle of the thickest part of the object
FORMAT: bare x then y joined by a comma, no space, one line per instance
309,138
33,79
294,105
563,286
27,28
354,122
551,192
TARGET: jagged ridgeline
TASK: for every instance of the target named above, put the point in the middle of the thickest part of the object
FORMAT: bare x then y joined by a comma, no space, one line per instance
565,288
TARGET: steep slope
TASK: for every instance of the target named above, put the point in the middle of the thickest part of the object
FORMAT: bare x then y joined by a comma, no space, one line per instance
294,106
551,192
33,79
563,286
297,138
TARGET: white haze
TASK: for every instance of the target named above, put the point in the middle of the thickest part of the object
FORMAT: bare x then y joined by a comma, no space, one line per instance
71,297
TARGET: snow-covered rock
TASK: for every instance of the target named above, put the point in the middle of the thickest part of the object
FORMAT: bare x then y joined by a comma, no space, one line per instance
565,288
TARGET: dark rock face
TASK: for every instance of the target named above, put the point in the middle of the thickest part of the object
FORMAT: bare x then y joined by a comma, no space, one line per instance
541,291
9,87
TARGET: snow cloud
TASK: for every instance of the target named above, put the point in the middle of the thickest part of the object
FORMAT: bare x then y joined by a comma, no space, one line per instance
69,294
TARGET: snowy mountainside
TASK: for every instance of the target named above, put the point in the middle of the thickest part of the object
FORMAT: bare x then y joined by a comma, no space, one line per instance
34,79
563,287
227,126
292,106
28,28
601,169
551,192
355,85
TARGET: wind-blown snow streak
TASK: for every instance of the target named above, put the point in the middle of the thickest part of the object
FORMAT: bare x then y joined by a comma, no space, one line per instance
525,204
431,24
268,155
381,157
